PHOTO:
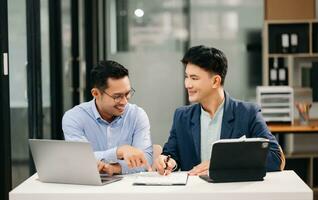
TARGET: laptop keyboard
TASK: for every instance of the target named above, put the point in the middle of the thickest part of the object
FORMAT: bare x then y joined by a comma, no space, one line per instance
106,178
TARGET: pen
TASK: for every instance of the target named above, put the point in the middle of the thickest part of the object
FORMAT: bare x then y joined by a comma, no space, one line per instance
167,160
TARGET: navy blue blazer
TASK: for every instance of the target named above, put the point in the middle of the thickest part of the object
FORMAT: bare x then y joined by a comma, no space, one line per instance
239,118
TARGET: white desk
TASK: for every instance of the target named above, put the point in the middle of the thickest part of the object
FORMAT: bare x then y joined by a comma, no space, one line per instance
276,186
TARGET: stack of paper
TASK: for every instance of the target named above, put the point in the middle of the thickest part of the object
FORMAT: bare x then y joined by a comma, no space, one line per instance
154,178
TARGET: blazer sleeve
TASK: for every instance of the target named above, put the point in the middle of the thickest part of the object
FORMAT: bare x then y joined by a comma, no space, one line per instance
258,128
171,146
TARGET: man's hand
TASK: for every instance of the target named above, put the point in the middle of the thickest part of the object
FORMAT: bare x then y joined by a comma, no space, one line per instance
105,168
134,157
201,169
164,165
109,169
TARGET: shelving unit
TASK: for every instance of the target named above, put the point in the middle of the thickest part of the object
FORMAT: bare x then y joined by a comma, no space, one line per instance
305,164
307,49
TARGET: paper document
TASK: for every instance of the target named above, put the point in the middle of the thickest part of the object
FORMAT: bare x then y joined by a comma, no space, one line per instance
242,139
154,178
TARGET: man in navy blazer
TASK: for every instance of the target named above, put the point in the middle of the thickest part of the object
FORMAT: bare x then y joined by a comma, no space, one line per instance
214,116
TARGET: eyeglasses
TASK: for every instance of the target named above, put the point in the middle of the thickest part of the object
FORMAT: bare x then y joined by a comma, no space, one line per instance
118,97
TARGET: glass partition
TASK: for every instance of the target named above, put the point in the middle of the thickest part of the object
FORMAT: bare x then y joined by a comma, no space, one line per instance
18,90
149,38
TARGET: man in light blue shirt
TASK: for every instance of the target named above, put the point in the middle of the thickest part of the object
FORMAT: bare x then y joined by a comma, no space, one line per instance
119,132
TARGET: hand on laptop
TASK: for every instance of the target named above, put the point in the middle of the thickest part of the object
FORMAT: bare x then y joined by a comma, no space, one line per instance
201,169
164,164
134,157
109,169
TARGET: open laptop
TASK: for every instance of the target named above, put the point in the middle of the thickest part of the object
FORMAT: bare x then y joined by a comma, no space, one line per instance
235,160
59,161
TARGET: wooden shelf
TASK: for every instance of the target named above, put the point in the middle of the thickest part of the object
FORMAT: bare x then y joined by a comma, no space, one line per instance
294,21
298,55
302,155
315,189
279,128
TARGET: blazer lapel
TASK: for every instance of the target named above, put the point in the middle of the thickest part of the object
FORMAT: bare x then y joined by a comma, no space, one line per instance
196,129
228,118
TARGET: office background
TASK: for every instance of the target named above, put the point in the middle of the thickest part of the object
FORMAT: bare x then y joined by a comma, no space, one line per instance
52,44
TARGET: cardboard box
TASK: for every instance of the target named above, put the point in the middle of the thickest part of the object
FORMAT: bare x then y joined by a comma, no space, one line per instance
289,9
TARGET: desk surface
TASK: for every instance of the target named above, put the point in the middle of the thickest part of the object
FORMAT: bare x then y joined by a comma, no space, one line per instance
277,185
312,127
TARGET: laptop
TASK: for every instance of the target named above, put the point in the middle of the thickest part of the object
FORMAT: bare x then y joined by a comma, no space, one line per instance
59,161
235,160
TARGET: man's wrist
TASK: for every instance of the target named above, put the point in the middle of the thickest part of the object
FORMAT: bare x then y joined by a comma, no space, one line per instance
119,153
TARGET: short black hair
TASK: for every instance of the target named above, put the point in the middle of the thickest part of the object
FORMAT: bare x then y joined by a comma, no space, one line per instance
210,59
104,70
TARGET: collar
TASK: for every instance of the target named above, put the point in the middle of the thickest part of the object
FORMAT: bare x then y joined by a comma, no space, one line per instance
227,110
94,109
206,114
99,117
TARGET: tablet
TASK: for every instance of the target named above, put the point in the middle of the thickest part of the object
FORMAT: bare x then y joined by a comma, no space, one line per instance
238,160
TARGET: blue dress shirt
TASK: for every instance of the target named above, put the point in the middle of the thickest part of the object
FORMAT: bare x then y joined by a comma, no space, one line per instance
84,123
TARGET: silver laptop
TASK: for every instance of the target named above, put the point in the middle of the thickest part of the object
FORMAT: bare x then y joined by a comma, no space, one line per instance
59,161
